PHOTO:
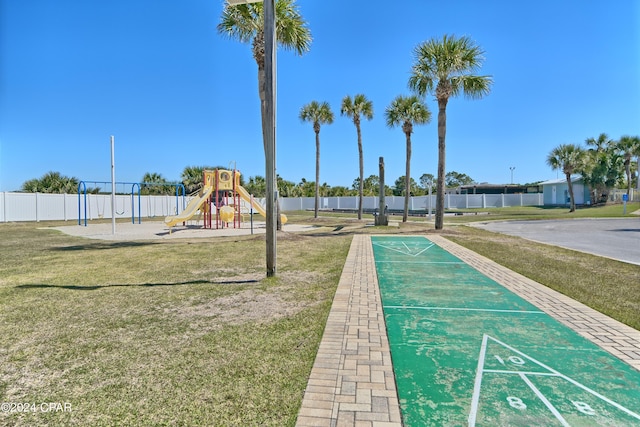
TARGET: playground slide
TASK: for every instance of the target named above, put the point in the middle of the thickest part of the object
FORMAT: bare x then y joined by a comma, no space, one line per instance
257,206
191,208
247,198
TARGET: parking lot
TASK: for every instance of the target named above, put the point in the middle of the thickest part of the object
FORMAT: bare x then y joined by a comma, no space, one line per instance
617,238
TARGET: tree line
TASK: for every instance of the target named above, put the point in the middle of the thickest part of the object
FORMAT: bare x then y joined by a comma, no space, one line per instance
153,183
603,163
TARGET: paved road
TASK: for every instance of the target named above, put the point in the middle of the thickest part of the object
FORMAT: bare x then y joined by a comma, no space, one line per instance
614,238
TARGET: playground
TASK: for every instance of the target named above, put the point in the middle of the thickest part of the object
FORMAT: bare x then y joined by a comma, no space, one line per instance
220,196
220,203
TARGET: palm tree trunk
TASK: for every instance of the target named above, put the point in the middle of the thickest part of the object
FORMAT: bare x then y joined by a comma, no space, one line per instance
627,168
317,174
361,186
440,187
572,205
407,180
258,54
638,170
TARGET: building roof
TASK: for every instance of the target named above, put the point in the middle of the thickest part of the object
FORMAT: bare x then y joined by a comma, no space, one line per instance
574,178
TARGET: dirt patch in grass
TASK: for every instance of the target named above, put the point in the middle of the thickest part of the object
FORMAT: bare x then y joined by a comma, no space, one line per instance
246,306
258,304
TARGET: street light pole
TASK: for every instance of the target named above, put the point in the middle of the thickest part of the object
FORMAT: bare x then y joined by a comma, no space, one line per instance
269,123
512,168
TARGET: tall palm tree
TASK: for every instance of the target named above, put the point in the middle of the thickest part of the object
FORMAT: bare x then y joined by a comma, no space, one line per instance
568,158
407,111
599,144
445,67
245,22
354,108
318,114
629,146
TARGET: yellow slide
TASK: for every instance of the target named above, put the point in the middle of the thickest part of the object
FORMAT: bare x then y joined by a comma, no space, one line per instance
257,206
191,209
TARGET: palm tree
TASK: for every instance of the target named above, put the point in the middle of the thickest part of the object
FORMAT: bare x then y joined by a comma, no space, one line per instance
600,144
629,146
445,67
31,186
318,114
603,166
568,158
154,178
256,186
354,108
245,22
407,111
51,182
192,178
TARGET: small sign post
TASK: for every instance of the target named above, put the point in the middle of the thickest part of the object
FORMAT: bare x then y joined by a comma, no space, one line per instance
625,198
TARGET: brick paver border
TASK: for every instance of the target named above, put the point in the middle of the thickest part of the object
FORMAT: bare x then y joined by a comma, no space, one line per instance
352,381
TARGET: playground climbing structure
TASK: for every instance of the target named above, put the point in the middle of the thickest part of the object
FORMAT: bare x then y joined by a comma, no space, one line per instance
221,195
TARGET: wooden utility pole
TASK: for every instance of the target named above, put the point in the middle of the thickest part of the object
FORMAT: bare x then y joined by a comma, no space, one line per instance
269,128
381,218
270,133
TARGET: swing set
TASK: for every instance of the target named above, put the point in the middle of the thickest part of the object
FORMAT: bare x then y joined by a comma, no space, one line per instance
135,189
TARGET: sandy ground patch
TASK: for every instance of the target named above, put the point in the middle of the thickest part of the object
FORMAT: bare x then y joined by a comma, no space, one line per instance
153,230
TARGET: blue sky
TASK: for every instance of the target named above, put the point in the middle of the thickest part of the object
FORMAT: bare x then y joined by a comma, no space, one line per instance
175,93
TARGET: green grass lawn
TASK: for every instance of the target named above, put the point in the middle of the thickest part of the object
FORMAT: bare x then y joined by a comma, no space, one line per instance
189,332
180,332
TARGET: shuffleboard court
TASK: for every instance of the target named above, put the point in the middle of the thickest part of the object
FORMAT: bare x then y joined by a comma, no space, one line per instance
466,351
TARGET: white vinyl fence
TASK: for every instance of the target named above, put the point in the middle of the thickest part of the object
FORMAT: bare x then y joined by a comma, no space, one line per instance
418,203
69,207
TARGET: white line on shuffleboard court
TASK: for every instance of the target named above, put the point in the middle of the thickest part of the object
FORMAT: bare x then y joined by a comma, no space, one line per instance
473,413
539,374
546,402
489,310
552,372
407,250
572,381
419,262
